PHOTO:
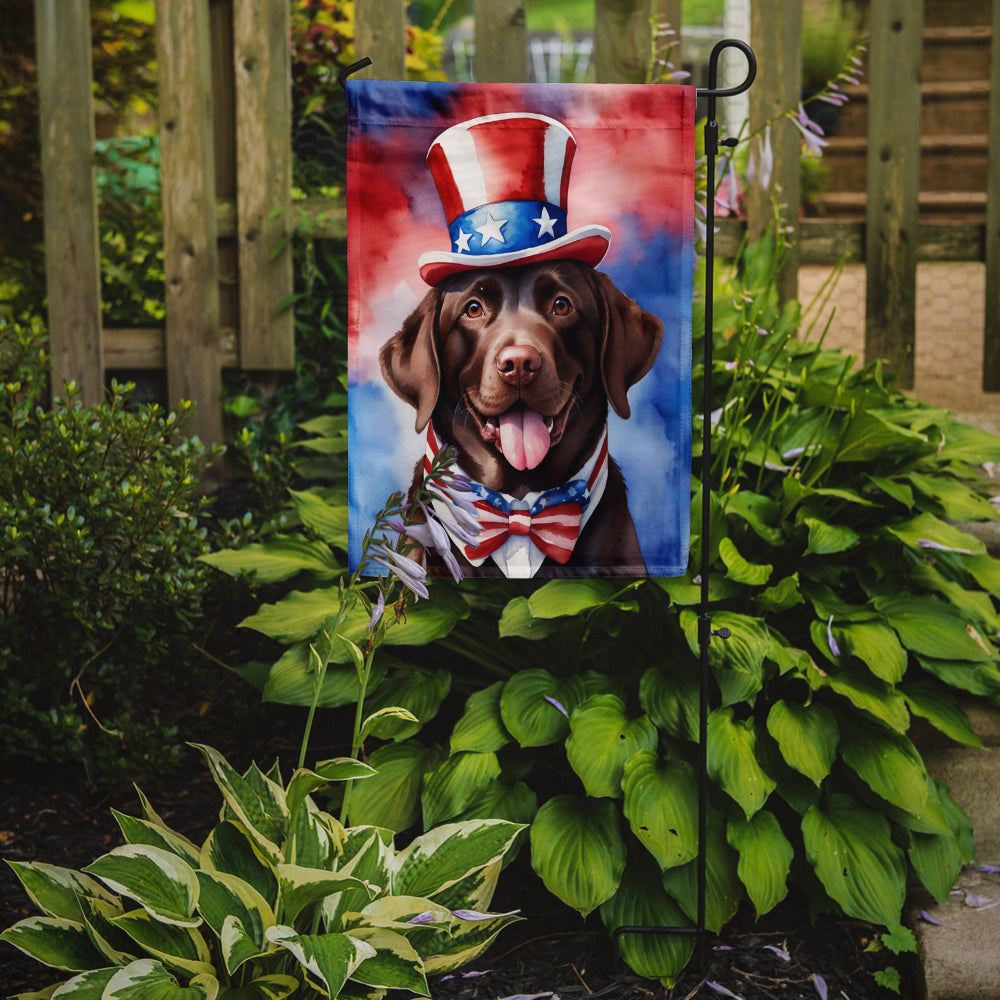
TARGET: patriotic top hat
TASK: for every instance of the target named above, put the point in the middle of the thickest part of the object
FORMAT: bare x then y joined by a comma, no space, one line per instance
503,181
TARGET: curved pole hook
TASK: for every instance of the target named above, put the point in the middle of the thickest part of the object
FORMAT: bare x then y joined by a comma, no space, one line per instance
712,90
353,68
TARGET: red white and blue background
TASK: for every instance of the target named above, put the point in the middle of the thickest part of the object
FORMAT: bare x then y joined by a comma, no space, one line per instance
632,175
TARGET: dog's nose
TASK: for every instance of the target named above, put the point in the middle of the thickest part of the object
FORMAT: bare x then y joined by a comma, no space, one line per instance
518,364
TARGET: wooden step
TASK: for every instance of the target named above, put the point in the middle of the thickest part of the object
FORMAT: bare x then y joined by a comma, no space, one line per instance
945,12
958,206
956,53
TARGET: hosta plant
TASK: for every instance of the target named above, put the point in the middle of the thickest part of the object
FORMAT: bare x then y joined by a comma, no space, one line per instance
279,900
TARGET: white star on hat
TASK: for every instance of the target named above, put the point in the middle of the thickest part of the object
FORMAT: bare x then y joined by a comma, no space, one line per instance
462,243
490,229
546,224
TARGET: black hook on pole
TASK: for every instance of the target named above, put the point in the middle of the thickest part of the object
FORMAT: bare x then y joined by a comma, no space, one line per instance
352,68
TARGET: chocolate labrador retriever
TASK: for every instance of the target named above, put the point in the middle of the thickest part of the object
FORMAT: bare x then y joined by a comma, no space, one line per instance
516,367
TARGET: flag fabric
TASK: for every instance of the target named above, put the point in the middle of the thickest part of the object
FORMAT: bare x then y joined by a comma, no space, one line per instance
520,266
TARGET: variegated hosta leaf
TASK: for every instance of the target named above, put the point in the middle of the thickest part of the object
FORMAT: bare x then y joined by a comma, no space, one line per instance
147,979
765,858
300,887
578,851
602,737
807,736
723,889
888,763
732,760
54,941
391,799
456,784
274,987
535,706
315,838
481,727
661,805
395,964
177,947
476,890
99,915
441,857
850,847
141,831
304,782
230,849
225,897
256,801
158,880
86,986
367,853
56,891
642,902
466,941
329,959
418,691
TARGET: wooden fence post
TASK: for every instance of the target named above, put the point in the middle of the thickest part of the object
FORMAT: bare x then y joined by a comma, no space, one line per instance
72,254
991,332
380,34
622,40
501,41
190,251
776,35
262,61
892,214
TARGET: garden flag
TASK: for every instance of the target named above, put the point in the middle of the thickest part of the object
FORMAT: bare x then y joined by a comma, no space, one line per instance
520,265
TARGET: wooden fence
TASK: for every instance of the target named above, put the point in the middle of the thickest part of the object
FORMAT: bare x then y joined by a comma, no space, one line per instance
226,161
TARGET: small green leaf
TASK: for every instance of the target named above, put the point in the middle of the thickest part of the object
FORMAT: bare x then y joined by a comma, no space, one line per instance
732,760
807,736
671,700
828,539
535,706
932,628
888,763
765,858
456,784
279,558
481,727
739,569
391,798
561,598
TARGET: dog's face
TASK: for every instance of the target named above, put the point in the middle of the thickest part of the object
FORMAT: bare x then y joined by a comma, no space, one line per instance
517,367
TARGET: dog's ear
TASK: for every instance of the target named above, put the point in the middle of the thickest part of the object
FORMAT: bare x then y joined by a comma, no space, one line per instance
409,359
632,340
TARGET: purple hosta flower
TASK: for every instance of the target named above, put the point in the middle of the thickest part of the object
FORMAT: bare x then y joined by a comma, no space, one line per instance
990,869
760,165
427,917
430,534
475,915
462,510
820,983
834,648
780,952
719,988
558,705
727,198
377,612
927,918
465,975
812,134
927,543
531,996
409,572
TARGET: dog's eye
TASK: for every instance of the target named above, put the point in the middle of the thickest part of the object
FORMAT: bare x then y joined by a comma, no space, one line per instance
562,306
474,310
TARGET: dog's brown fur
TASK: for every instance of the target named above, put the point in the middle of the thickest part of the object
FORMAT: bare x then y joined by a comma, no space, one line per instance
557,337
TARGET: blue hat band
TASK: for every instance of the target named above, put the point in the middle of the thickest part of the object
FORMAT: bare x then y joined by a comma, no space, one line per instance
507,227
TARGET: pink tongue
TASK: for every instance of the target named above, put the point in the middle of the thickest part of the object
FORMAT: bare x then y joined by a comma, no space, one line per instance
524,438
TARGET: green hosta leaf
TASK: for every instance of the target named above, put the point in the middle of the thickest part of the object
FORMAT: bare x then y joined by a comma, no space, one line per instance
641,901
931,628
850,848
301,887
141,831
672,700
602,738
517,620
738,661
941,709
957,501
723,889
828,539
965,443
732,760
976,678
516,803
180,948
578,851
230,849
275,987
888,763
765,858
661,800
807,736
937,859
894,489
876,646
226,898
418,691
481,728
391,798
739,569
330,959
783,595
869,436
56,891
986,572
279,558
438,859
291,680
160,882
683,591
54,941
975,605
560,598
758,511
260,806
147,979
535,706
304,782
928,528
387,723
327,520
395,964
864,691
456,784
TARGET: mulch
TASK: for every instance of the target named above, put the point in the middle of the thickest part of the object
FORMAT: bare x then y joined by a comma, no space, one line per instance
58,820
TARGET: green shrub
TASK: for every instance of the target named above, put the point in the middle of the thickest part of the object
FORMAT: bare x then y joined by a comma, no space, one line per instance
101,584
